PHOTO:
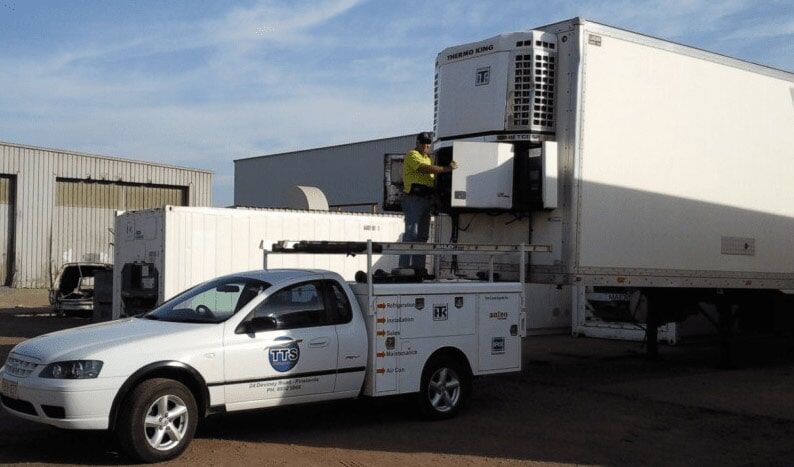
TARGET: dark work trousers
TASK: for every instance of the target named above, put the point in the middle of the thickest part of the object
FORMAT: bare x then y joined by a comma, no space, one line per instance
417,226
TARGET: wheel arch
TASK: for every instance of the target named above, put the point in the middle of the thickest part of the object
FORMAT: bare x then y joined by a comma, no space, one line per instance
452,352
170,369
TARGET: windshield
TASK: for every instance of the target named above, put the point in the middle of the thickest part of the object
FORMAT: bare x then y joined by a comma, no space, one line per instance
211,302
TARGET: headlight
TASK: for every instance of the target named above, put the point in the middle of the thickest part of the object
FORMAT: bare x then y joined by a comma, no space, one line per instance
74,369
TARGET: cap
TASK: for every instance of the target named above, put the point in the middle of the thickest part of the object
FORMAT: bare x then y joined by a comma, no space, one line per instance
424,137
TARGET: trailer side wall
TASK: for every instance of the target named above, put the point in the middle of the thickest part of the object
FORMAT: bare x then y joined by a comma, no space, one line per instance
683,163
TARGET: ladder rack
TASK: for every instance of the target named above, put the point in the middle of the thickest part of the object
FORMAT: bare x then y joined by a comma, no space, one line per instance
397,248
352,248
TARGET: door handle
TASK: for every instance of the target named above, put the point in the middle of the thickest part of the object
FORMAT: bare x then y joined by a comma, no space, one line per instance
320,342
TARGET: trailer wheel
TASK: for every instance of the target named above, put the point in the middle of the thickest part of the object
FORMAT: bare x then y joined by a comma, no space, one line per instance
446,385
157,421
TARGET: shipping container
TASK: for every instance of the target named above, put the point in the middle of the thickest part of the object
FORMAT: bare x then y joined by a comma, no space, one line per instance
162,252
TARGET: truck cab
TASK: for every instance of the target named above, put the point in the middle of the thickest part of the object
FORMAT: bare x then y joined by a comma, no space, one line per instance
315,340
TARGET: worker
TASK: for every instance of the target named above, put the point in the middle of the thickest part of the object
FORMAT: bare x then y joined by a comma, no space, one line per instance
417,202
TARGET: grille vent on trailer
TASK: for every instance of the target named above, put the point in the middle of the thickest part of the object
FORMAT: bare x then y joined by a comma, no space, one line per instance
531,101
435,102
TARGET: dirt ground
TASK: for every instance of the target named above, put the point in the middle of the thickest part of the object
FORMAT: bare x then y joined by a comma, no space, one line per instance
577,401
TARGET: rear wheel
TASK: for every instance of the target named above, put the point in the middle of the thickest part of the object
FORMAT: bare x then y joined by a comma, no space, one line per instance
157,421
446,385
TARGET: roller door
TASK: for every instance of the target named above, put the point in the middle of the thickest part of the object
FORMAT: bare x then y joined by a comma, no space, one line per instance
7,210
84,216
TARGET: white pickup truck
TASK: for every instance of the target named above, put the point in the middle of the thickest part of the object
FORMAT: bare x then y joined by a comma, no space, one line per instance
261,339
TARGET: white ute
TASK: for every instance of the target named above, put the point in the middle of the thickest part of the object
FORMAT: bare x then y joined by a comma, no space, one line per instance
261,339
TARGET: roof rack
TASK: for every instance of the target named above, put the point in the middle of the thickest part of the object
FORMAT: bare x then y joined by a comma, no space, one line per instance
352,248
397,248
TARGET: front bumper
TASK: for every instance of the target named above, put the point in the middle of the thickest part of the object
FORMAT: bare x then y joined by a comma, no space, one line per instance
74,304
71,404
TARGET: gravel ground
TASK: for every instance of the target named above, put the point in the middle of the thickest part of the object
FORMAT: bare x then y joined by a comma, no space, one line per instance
577,401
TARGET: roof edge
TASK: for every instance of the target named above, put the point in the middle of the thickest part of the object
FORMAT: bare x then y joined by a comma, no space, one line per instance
323,147
98,156
768,70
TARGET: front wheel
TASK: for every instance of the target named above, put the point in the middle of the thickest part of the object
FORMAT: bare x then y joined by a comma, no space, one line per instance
446,385
158,420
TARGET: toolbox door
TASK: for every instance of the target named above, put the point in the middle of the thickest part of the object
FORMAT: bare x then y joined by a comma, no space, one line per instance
437,315
499,323
429,322
384,330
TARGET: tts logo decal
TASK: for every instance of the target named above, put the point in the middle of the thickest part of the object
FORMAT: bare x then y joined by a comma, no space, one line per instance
483,76
440,313
458,302
284,357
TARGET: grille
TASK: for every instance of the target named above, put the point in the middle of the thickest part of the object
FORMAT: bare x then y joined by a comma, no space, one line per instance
18,405
531,101
54,411
19,368
435,102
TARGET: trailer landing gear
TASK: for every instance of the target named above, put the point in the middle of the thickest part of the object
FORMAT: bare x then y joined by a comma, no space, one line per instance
652,323
726,318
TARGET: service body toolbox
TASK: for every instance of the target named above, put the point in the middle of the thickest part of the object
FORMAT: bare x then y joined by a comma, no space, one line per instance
406,323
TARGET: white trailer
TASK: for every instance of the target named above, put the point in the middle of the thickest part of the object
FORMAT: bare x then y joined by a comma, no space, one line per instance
161,252
649,166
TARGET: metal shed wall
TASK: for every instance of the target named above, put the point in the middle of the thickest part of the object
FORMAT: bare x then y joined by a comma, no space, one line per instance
43,237
350,175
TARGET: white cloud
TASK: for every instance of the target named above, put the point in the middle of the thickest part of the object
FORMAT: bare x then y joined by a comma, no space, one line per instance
776,28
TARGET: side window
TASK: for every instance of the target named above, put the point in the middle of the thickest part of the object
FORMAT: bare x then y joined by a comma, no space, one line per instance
339,311
219,300
297,306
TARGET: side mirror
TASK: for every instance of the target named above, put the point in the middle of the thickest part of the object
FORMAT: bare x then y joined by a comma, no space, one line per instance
257,324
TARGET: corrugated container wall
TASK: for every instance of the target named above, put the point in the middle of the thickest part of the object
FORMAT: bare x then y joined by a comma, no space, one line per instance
183,246
58,206
350,175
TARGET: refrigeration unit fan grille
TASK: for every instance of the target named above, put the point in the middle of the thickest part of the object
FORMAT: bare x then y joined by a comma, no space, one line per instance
532,105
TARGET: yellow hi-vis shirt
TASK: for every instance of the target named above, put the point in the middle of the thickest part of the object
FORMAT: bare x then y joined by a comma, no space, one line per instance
411,174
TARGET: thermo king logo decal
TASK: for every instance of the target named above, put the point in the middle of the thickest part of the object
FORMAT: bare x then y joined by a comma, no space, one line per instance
483,76
284,357
440,313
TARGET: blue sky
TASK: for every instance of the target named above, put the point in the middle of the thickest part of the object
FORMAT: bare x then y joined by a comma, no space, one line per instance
201,83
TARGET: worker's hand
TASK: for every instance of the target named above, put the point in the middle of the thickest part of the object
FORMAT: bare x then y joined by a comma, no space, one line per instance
453,165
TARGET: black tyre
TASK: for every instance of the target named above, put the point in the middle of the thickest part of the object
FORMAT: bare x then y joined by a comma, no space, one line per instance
157,421
446,385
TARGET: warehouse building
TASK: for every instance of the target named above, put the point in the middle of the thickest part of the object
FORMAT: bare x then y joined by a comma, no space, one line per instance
58,207
350,175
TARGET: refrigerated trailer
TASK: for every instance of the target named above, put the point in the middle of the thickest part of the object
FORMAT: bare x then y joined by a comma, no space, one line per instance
652,168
